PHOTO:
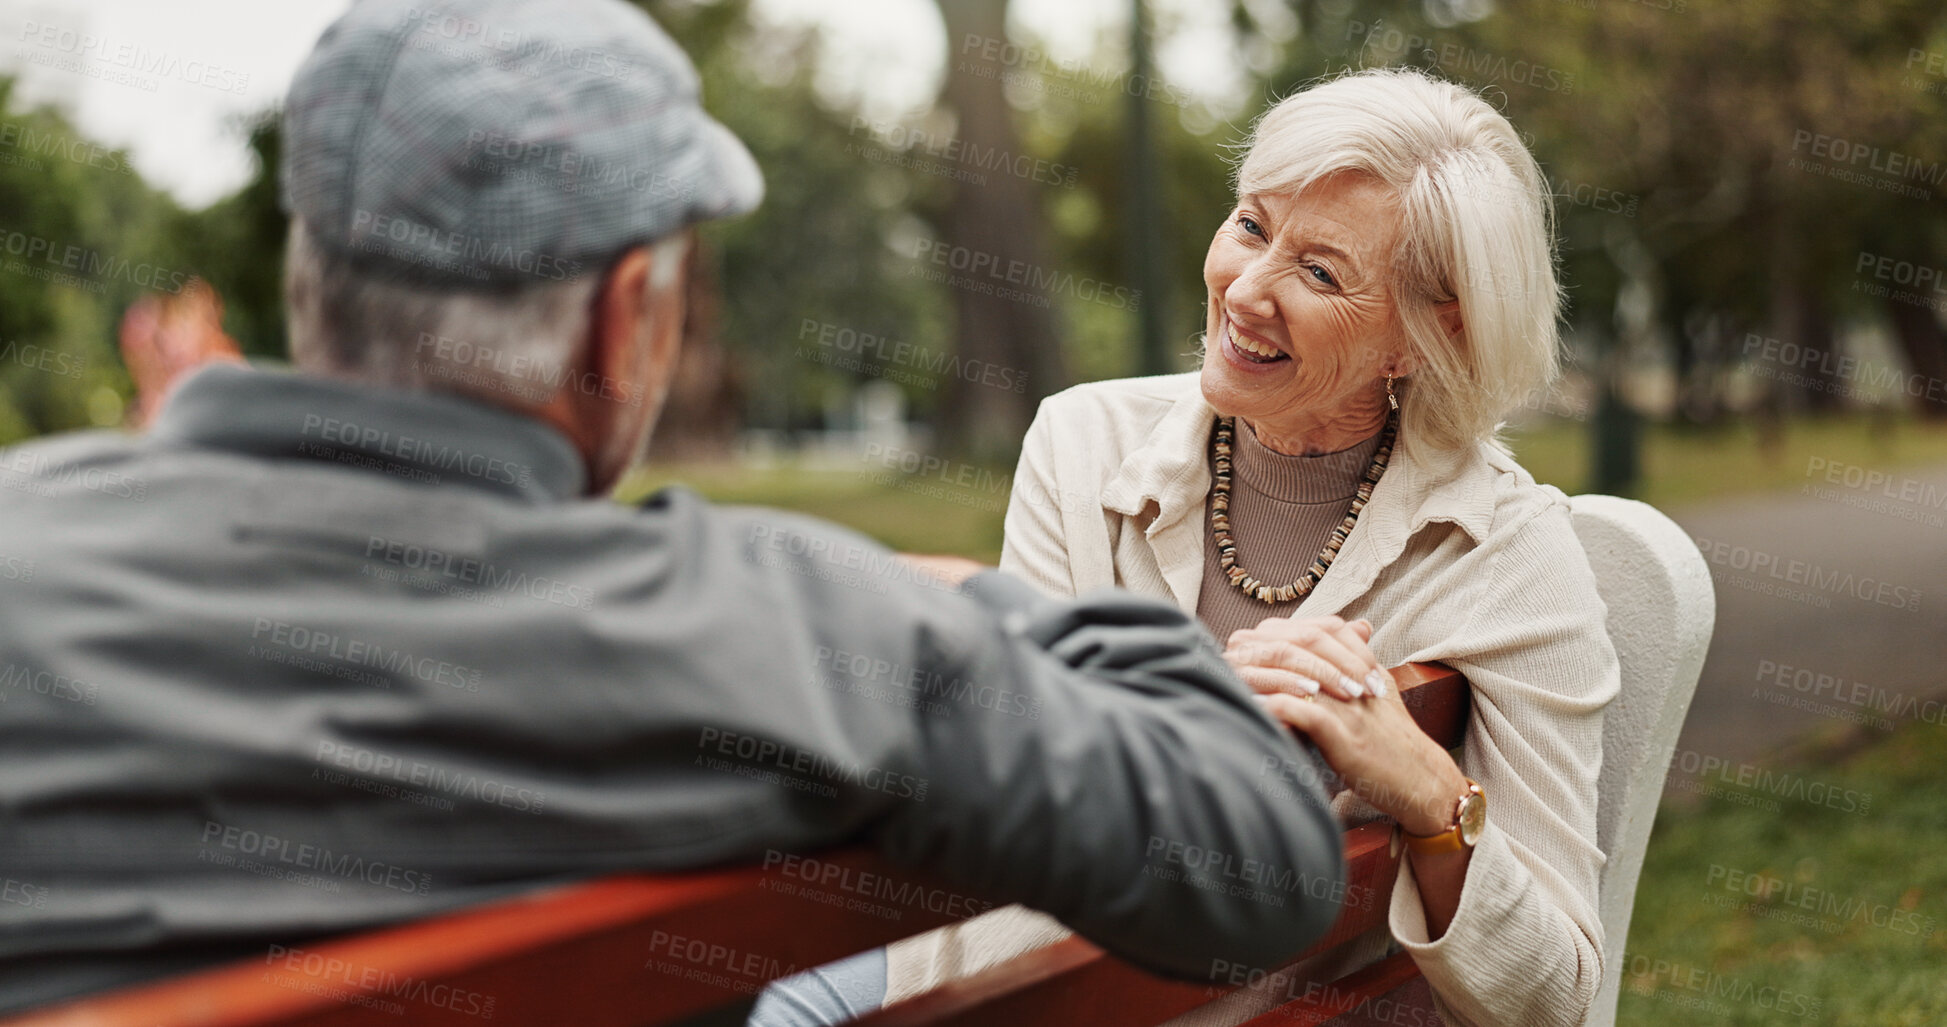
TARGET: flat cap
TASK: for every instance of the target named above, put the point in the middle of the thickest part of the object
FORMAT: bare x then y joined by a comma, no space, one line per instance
489,142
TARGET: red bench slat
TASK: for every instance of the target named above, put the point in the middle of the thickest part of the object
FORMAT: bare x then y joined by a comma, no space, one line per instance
586,954
580,954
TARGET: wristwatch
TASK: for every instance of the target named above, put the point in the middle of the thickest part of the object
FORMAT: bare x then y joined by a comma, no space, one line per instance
1469,818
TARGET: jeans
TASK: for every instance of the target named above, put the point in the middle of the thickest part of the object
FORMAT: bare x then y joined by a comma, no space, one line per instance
824,995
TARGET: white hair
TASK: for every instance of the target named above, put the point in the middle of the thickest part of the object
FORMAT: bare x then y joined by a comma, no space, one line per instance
1477,226
348,322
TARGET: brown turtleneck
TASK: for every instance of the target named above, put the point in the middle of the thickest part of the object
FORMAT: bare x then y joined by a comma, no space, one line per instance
1283,509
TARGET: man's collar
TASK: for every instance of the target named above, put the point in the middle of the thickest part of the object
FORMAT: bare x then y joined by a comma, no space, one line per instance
426,437
1171,469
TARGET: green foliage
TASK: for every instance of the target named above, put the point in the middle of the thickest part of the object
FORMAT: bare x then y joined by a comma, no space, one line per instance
84,236
1856,921
821,248
237,245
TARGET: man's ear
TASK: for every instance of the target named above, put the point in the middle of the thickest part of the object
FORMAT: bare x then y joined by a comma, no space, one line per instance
621,304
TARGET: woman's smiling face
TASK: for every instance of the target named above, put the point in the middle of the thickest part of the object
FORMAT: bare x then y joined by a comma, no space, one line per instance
1303,325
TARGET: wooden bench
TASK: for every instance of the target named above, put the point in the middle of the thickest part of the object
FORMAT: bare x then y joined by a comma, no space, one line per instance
695,948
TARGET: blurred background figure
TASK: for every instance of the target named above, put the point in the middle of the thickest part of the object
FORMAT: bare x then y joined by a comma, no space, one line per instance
167,335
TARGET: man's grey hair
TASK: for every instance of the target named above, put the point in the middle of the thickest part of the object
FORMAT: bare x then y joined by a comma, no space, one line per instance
349,322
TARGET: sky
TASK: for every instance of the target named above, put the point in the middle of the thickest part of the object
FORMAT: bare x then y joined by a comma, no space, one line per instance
174,83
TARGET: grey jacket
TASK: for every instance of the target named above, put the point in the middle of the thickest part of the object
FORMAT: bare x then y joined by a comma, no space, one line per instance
310,658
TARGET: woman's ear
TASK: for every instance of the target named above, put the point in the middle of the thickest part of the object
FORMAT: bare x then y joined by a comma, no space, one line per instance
1449,314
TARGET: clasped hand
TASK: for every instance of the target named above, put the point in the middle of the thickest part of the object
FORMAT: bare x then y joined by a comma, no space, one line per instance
1318,674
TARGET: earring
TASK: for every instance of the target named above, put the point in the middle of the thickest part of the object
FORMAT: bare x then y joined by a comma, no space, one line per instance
1392,398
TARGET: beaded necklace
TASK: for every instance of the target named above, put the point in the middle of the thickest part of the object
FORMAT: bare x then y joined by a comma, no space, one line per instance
1227,546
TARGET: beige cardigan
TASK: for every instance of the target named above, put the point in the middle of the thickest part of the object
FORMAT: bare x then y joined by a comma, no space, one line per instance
1477,567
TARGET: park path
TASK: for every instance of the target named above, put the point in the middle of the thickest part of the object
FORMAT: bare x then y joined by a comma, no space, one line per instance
1797,650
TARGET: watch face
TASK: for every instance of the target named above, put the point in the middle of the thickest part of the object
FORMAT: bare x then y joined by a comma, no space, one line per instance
1473,817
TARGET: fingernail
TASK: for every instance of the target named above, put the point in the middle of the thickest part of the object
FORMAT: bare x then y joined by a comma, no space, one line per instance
1309,686
1376,680
1356,689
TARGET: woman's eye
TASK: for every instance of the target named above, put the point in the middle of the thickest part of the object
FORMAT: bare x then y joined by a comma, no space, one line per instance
1250,225
1323,276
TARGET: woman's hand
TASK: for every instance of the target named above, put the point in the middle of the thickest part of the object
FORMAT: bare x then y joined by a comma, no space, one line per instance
1306,655
1369,738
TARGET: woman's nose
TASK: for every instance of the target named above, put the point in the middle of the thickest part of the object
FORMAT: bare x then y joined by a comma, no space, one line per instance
1250,293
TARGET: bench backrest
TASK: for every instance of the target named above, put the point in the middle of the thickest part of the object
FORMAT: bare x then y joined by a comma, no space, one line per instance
1661,611
695,948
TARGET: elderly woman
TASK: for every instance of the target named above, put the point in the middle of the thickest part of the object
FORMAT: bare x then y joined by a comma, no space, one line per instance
1328,495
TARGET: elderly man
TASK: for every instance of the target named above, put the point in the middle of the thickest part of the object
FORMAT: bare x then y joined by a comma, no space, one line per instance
337,648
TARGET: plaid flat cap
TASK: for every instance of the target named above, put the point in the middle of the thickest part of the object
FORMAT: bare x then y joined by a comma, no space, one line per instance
491,142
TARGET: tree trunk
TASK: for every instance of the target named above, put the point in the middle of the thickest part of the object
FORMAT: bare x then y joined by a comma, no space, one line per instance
1919,334
1004,313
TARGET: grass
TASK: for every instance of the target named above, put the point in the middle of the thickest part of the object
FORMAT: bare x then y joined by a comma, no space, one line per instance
1848,923
908,513
928,513
1684,465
